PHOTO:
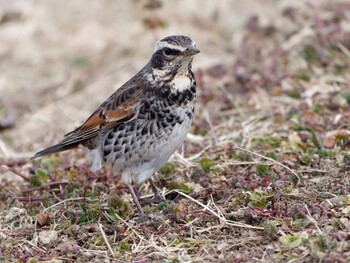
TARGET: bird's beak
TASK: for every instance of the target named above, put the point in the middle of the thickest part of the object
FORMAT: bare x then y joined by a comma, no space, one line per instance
190,51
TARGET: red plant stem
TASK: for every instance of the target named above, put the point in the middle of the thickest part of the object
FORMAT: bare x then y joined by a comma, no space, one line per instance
34,199
44,186
199,212
19,174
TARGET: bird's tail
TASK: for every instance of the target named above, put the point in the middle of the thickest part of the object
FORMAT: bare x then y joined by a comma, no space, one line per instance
60,147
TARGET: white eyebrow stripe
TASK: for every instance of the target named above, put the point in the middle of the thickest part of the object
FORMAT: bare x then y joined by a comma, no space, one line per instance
163,44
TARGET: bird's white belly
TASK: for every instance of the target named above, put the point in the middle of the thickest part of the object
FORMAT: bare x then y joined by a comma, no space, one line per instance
158,154
149,152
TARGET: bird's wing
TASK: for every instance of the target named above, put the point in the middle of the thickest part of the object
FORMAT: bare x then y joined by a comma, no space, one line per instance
117,109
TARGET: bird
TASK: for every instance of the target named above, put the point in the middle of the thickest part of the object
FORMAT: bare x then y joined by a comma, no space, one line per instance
136,130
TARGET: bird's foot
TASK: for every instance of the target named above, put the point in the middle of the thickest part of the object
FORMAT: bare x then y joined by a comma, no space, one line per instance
142,218
156,199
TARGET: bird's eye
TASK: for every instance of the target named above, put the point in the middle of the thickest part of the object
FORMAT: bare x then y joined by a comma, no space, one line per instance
167,52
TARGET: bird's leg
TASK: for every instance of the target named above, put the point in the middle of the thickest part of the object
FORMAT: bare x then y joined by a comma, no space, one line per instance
142,216
157,193
137,193
157,198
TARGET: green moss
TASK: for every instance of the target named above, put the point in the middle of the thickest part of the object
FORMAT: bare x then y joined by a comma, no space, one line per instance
180,186
294,93
314,139
3,112
51,162
305,159
303,76
80,62
338,224
298,223
259,199
317,108
270,229
98,241
243,156
43,174
341,138
92,194
195,174
310,54
271,141
272,155
32,260
322,243
92,214
263,170
64,224
71,188
326,153
34,181
347,97
118,206
206,164
73,174
168,169
124,246
162,205
292,241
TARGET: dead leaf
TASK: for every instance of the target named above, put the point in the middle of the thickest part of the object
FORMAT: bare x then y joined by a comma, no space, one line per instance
329,142
42,218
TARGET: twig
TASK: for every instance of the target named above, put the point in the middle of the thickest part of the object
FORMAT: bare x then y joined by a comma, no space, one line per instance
197,155
106,240
217,208
183,160
221,218
207,118
64,201
35,246
243,163
344,49
4,149
270,159
297,259
231,99
132,229
313,171
199,212
312,220
99,252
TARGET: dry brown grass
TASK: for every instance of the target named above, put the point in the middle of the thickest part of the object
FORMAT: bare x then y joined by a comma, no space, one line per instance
263,175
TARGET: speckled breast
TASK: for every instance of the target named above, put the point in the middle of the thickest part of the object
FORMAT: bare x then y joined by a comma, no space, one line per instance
159,128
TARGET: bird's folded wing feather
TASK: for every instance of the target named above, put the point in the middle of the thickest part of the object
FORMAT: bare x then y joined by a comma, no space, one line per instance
117,109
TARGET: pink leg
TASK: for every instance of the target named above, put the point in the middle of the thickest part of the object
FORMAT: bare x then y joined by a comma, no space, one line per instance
142,216
157,198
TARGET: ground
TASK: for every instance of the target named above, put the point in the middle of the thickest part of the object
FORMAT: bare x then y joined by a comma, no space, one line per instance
263,175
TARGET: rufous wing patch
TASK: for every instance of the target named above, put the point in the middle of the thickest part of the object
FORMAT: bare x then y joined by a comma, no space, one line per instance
117,109
106,119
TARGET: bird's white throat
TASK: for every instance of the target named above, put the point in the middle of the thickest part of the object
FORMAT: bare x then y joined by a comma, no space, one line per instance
180,82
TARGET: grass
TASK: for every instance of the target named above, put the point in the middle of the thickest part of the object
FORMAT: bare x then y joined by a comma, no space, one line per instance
263,176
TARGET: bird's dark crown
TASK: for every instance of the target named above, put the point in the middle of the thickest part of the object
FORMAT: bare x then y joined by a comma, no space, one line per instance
177,41
172,51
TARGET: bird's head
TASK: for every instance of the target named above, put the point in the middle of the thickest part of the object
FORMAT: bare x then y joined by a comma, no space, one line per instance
173,54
